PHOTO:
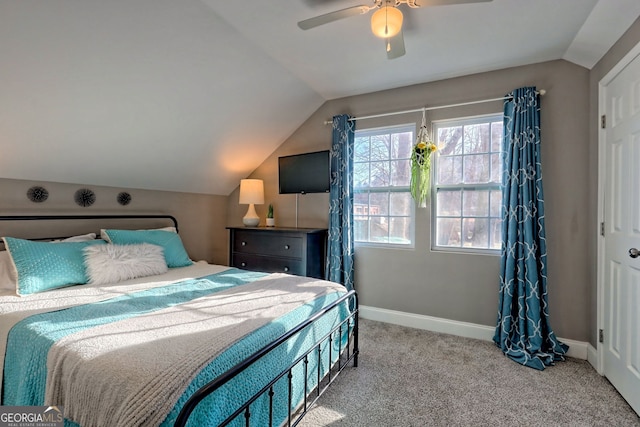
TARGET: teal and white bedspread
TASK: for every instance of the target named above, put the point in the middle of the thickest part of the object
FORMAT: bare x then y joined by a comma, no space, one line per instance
131,354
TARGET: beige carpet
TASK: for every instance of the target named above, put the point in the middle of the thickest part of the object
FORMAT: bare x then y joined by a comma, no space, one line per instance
411,377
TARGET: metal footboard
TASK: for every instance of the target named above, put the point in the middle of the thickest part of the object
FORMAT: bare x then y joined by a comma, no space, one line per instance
348,327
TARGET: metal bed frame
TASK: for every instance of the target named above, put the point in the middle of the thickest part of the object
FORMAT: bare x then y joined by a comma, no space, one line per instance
348,325
350,352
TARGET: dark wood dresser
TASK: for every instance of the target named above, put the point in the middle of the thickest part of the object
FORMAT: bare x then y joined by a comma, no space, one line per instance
299,251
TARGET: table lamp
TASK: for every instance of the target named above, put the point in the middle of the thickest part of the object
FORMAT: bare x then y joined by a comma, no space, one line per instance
251,192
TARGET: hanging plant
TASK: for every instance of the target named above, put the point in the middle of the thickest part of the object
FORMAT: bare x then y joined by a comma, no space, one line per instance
421,165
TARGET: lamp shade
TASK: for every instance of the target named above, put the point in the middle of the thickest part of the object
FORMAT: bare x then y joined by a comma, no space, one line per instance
251,191
386,22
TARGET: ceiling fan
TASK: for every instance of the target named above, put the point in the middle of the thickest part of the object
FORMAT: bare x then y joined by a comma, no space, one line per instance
386,21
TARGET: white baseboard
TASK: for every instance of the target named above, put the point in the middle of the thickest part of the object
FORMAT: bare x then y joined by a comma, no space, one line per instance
577,349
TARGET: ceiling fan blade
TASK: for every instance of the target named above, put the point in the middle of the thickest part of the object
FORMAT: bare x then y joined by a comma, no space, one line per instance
395,46
333,16
425,3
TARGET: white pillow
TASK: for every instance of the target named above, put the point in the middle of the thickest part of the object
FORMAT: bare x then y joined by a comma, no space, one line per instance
81,238
8,278
114,263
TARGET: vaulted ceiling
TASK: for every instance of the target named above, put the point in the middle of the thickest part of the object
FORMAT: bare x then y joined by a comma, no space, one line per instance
192,95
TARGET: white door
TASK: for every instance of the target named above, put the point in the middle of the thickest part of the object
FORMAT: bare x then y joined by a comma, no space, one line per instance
621,280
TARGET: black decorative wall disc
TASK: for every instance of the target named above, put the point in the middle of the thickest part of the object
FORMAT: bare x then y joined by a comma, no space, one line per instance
124,198
37,194
84,197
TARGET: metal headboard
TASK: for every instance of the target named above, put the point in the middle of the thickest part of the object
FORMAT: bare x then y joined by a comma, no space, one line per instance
18,218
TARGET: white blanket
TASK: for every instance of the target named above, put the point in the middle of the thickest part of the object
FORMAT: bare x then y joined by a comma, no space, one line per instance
149,360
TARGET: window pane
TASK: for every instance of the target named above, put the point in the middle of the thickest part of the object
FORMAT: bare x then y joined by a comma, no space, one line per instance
401,144
360,228
400,204
476,138
475,203
476,168
449,203
361,149
496,168
400,230
495,233
450,140
448,232
475,233
401,173
449,169
361,204
379,229
496,136
496,204
380,147
379,204
361,174
379,174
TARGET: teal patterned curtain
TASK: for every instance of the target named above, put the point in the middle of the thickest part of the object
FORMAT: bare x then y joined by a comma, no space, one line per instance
523,331
340,246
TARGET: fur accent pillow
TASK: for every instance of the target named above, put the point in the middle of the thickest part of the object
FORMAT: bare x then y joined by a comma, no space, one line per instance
115,263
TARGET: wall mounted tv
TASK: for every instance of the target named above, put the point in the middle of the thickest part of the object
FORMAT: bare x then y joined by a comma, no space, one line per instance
304,173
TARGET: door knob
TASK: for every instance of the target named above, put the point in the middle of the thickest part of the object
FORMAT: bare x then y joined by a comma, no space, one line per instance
634,253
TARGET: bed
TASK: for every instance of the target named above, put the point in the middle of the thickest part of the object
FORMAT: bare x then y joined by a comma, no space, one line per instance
147,337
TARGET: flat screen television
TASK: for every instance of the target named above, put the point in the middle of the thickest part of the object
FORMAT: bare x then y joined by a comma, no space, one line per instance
304,173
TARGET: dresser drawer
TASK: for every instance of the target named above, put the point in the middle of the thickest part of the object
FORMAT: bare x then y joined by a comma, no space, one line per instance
267,243
268,264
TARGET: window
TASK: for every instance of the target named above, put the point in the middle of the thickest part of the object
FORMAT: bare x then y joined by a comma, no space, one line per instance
467,195
383,207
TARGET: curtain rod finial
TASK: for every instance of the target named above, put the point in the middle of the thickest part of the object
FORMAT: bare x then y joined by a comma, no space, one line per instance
542,92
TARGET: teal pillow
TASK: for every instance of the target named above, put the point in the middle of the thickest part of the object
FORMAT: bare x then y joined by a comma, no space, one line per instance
47,265
174,252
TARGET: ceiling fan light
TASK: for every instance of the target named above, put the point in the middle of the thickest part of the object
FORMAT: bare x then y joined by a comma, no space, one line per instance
386,22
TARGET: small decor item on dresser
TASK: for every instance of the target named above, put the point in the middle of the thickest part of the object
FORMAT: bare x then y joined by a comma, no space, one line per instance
420,187
37,194
84,197
271,222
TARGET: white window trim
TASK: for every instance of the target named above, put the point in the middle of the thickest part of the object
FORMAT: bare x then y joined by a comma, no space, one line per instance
488,186
391,188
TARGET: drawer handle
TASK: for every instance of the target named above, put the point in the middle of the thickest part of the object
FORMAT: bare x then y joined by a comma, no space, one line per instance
243,264
286,247
286,269
243,243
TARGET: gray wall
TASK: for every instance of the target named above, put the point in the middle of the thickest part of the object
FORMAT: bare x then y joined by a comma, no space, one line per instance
629,40
201,217
458,286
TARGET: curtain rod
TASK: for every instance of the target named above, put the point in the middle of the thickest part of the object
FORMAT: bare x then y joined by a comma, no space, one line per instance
540,92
